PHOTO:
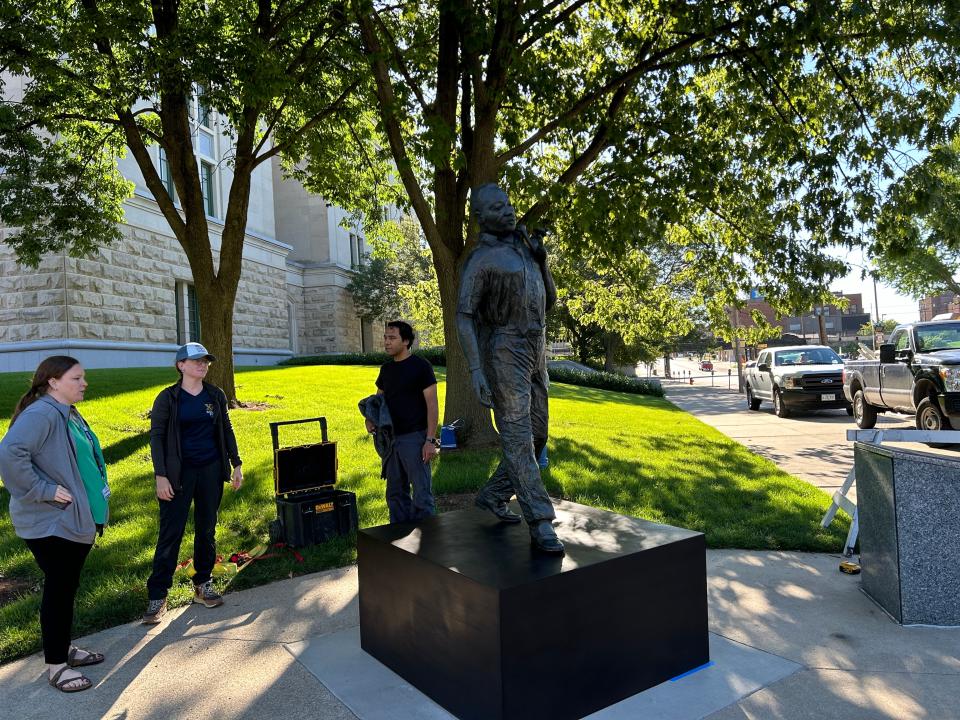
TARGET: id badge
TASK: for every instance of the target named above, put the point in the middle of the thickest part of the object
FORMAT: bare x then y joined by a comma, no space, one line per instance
106,491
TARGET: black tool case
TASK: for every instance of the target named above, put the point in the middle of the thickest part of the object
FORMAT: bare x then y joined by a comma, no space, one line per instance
309,509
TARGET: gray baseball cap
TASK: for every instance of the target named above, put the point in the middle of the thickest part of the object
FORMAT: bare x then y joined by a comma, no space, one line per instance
193,351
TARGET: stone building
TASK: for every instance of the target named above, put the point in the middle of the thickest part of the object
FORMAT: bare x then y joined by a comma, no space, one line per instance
133,303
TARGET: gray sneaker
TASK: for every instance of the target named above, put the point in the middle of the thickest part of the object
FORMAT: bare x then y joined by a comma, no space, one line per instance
207,595
155,612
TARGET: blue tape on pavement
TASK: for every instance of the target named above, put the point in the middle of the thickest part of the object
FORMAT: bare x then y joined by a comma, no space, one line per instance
691,672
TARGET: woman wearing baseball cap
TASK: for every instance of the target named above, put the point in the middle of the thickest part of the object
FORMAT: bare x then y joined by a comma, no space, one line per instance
193,449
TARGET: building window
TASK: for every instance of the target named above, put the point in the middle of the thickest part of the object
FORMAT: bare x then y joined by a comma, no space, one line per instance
794,327
828,324
204,116
355,245
207,188
165,177
188,313
292,326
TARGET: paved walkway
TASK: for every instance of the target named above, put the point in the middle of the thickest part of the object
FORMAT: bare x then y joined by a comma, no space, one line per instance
238,661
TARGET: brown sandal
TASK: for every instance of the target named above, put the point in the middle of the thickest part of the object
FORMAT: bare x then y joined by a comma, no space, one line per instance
61,685
88,659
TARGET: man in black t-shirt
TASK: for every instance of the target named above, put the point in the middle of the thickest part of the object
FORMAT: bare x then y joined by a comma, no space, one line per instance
409,387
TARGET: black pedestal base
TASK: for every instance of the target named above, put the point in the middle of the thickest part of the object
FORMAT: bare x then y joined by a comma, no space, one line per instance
462,608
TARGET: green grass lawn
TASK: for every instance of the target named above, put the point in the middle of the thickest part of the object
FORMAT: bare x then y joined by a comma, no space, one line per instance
628,453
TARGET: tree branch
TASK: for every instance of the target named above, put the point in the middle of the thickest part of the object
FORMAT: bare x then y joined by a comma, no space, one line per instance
556,20
599,143
401,64
387,104
303,129
150,175
645,65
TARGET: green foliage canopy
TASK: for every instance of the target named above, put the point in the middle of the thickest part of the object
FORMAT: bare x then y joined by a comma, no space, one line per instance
917,236
765,130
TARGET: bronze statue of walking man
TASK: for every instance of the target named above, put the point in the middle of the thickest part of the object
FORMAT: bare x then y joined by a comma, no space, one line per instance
505,291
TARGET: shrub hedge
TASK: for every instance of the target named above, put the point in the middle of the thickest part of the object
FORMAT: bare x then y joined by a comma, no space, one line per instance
438,358
606,381
435,356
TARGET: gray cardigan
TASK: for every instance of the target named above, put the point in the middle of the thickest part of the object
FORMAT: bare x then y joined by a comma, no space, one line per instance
36,455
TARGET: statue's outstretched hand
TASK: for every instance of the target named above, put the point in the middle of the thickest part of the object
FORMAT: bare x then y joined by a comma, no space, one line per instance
481,388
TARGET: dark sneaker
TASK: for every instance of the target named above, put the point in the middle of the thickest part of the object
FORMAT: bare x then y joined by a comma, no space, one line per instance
155,612
207,595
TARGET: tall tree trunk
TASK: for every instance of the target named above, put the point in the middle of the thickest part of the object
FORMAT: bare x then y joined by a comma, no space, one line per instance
611,343
216,333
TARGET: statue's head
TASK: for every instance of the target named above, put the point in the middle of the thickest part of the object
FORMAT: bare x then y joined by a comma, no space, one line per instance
492,209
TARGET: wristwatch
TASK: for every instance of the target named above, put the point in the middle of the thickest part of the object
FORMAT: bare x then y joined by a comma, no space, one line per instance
434,442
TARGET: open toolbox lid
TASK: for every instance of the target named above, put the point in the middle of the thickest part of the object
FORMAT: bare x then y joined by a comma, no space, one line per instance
303,468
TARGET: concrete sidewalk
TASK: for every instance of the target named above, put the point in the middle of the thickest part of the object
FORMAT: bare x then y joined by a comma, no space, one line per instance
238,661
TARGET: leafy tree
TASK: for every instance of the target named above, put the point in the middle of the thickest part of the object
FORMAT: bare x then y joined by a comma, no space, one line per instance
885,326
917,235
765,124
103,76
397,280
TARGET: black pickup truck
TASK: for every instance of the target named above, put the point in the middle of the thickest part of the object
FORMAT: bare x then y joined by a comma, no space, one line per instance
918,373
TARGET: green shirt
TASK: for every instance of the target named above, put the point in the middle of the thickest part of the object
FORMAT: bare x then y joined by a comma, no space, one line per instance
93,470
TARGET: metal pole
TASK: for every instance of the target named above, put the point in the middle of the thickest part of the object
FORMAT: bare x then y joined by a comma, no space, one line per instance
876,303
736,349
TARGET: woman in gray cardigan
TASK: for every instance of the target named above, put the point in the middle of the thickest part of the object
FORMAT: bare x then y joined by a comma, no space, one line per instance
52,465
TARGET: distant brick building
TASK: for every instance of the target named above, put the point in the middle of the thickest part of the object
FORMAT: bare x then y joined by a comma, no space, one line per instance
935,305
841,325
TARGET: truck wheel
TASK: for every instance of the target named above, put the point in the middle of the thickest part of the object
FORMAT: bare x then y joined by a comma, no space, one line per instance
864,414
779,407
929,417
752,402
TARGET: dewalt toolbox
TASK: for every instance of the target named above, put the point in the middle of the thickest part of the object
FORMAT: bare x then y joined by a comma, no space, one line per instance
309,508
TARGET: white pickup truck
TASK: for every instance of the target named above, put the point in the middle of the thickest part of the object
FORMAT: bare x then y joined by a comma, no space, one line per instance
799,377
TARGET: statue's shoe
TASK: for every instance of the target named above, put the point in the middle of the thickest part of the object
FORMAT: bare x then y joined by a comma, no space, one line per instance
503,513
544,538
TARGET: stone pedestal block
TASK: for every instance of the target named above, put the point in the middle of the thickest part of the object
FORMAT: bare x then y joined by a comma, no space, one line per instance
465,610
910,532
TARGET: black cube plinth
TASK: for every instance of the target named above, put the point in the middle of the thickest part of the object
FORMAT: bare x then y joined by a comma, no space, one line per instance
466,611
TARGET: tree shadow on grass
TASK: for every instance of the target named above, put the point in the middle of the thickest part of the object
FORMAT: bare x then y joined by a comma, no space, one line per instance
719,490
122,449
562,391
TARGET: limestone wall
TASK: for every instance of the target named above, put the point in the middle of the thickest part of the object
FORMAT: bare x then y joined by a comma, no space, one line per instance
125,293
260,313
330,319
31,301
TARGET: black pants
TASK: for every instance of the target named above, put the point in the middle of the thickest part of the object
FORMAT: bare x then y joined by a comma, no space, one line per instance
61,561
203,487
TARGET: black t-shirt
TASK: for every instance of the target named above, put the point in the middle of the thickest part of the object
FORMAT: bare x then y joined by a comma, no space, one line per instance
403,384
197,417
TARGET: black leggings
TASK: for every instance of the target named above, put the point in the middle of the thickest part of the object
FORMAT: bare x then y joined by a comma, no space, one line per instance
61,561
